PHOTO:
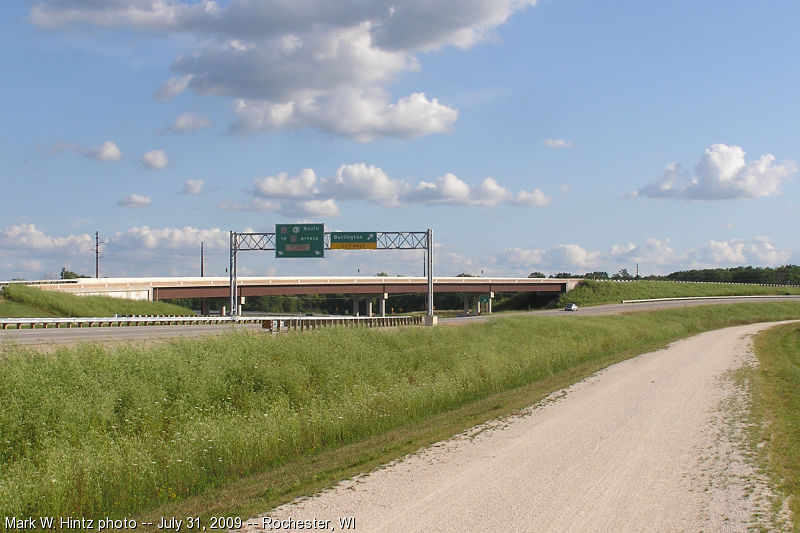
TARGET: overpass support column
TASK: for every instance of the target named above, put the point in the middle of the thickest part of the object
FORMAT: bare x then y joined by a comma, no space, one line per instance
466,302
489,303
355,305
369,307
382,304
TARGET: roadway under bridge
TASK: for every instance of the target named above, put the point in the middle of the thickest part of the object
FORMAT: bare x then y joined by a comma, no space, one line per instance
380,287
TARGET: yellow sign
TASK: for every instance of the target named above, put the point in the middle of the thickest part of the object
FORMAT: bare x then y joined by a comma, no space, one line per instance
361,240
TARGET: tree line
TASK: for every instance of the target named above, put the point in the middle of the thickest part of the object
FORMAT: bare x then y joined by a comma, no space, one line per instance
783,275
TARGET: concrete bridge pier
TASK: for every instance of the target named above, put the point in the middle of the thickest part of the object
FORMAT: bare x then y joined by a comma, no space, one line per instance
355,305
382,304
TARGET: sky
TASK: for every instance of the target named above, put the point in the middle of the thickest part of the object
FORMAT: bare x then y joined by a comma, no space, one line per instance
530,136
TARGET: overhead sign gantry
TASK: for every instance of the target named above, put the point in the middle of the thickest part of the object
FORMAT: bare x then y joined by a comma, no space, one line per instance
311,240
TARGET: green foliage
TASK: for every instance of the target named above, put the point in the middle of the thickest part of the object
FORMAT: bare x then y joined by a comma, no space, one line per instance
784,275
777,405
68,274
596,275
9,309
114,430
52,303
622,274
536,275
589,292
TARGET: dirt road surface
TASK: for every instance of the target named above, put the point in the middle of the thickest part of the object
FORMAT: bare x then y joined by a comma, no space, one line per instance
654,443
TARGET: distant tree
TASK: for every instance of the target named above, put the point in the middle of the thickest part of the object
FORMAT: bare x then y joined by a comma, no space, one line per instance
465,275
622,274
596,275
68,274
536,275
382,275
564,275
787,274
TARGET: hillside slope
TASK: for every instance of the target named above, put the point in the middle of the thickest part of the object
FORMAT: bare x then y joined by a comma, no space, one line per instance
23,301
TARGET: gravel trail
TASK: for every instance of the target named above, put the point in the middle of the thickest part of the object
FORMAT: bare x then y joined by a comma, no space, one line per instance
654,443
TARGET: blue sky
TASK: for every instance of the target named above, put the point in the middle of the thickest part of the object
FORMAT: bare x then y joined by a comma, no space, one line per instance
530,136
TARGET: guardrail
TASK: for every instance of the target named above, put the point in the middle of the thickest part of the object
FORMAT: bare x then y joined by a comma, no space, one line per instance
681,298
703,282
274,324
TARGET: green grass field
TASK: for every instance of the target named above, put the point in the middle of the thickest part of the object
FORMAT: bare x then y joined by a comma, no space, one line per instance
777,408
21,301
591,292
116,430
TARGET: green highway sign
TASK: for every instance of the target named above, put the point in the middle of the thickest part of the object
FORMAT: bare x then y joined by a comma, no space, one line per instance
354,240
299,240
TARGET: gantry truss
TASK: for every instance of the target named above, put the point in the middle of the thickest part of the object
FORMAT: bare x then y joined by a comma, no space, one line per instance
387,240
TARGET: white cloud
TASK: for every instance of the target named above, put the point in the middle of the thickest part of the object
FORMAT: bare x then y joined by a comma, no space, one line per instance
722,173
187,238
189,122
291,65
172,87
28,252
364,116
534,198
653,255
446,189
360,181
654,252
565,189
571,255
28,237
193,186
289,208
556,143
135,200
282,186
155,159
320,208
450,189
367,182
108,151
759,251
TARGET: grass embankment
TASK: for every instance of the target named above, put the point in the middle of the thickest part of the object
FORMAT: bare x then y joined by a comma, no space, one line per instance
114,430
591,292
23,301
777,408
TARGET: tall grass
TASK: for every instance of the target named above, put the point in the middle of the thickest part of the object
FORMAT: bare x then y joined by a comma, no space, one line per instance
116,430
777,407
51,303
591,292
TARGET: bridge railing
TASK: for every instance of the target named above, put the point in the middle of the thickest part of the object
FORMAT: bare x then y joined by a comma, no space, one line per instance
274,324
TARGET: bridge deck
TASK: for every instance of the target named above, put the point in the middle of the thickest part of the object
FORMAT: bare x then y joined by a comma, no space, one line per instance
219,287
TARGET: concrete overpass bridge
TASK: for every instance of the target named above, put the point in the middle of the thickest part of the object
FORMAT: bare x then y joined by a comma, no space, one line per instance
382,287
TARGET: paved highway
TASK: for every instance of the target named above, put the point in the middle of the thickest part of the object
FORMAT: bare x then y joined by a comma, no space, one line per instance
74,335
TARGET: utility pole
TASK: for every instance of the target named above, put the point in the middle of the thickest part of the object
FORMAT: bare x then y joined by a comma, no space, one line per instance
203,301
97,254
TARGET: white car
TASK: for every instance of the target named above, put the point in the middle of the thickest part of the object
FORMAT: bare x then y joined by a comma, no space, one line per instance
571,307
